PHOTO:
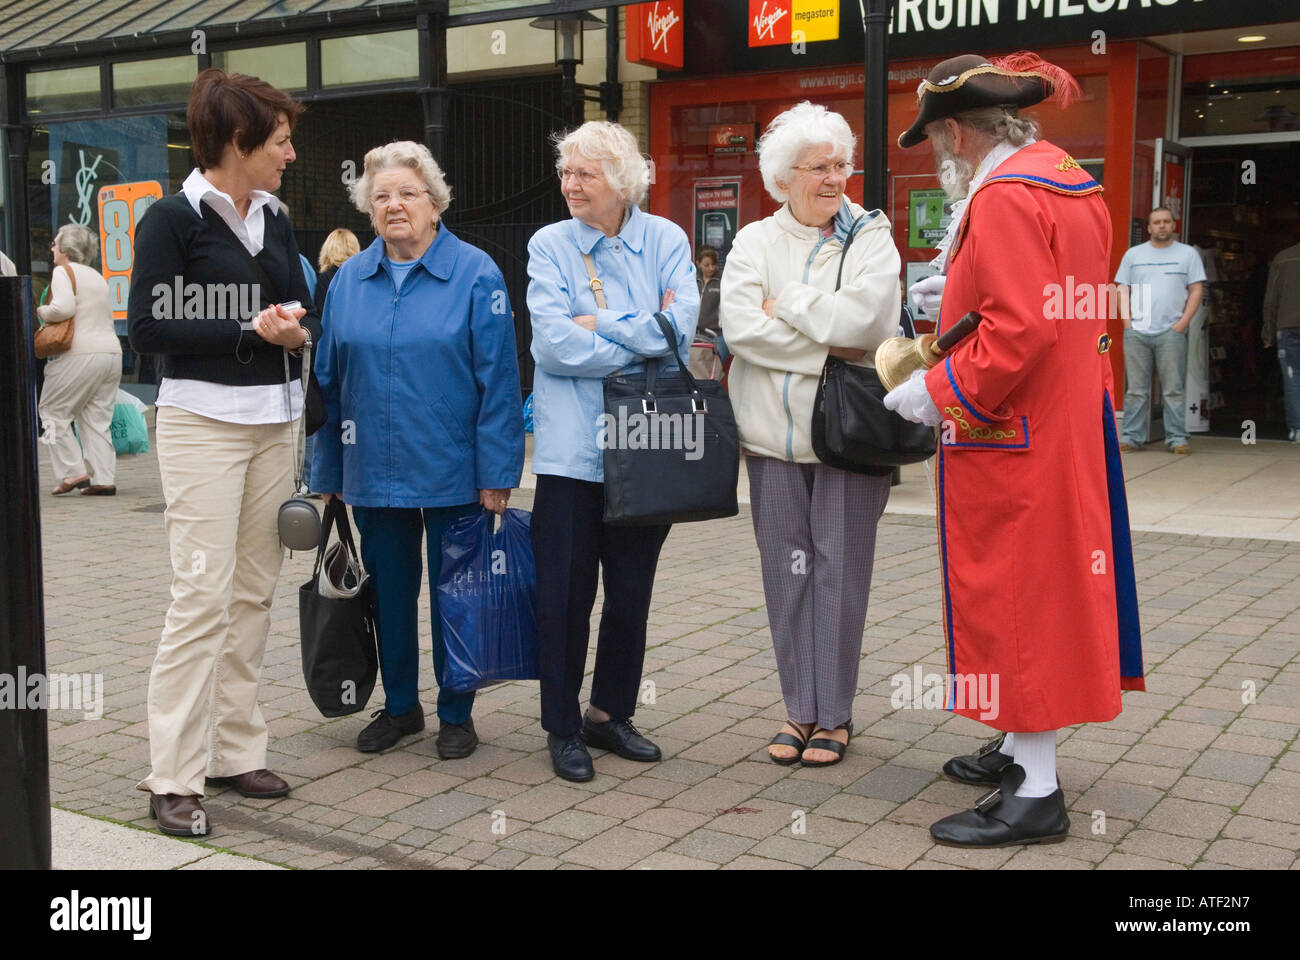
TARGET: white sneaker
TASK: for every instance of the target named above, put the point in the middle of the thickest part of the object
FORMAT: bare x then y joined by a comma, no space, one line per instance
1295,436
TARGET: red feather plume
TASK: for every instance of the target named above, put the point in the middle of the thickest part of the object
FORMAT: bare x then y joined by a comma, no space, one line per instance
1065,89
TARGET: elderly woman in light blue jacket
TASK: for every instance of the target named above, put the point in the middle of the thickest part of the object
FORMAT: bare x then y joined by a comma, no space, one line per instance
644,265
417,365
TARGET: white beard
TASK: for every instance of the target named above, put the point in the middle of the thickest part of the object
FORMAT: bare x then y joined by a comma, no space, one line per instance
954,172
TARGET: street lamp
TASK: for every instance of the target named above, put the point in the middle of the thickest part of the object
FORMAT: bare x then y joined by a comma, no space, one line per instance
569,28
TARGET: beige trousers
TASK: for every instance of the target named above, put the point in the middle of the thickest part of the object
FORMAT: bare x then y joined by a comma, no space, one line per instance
223,483
81,387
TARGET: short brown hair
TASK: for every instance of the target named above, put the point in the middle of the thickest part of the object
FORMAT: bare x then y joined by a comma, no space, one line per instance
226,107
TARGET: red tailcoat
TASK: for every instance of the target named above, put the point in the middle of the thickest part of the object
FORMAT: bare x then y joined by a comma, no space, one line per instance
1035,554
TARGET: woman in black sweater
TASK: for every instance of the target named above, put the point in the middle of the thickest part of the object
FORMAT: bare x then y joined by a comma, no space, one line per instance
213,264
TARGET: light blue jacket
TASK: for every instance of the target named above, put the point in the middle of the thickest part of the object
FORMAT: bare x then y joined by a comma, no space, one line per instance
649,256
422,385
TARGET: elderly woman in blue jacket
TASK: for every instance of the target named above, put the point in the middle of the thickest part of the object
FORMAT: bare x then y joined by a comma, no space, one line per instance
417,364
644,264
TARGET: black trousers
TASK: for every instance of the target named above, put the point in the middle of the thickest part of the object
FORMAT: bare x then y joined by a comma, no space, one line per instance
570,541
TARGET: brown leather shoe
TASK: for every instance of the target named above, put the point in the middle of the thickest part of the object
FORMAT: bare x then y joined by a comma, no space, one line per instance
179,816
256,784
99,490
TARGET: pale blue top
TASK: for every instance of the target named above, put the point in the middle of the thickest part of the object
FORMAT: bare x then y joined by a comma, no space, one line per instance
1159,278
649,256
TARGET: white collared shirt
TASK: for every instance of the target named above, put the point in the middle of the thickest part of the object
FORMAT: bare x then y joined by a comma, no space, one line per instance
263,403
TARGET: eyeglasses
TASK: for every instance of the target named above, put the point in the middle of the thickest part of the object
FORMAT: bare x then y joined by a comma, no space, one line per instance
406,196
823,170
584,176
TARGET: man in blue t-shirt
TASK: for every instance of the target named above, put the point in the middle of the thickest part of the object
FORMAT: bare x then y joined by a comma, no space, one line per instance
1160,284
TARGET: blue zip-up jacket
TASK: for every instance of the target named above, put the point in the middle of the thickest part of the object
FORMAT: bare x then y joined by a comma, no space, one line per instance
649,256
422,385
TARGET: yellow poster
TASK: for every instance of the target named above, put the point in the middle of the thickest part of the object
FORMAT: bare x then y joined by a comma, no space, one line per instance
816,19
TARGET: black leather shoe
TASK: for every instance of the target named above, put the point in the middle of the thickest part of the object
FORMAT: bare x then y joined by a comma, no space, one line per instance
456,740
982,768
621,737
1001,819
570,758
387,729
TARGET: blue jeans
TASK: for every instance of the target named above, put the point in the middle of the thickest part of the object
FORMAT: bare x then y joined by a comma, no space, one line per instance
390,550
1288,355
1168,352
308,449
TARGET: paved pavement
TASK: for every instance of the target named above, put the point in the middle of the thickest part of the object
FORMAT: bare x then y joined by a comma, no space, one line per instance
1200,771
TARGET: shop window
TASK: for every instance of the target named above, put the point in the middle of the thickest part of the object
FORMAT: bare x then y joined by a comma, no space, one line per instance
283,65
1232,93
165,80
370,58
62,91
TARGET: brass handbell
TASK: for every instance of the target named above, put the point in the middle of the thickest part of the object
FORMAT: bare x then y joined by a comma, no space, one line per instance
899,357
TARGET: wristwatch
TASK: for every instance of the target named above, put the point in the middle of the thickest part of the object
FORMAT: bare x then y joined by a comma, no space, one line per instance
305,344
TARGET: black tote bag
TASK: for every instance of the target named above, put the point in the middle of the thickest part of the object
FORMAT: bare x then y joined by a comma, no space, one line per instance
671,448
852,429
339,648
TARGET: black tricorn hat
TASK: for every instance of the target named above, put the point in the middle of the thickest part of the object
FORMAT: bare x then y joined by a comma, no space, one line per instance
970,81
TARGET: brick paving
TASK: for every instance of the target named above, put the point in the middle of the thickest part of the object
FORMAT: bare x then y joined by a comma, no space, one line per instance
1200,771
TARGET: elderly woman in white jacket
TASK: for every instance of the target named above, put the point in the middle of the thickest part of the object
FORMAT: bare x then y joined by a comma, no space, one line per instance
80,385
782,316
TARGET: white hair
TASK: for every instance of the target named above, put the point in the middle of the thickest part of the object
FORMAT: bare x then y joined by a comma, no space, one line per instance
78,243
791,133
625,169
401,153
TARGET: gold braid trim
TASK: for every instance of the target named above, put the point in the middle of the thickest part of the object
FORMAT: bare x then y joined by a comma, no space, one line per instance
977,433
977,71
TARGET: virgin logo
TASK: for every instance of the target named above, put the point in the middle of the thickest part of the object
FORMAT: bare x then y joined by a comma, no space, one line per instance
660,27
765,23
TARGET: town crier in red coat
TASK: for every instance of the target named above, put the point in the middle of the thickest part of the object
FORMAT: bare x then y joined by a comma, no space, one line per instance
1039,600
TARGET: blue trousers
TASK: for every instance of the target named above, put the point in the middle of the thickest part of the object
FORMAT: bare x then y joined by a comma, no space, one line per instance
1288,355
1167,352
390,550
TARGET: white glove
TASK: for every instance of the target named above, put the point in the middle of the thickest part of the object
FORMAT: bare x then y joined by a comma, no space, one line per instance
911,401
927,294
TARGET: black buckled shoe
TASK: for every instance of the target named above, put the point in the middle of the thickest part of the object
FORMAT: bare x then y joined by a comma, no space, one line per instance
621,737
569,758
386,729
456,740
1001,819
983,768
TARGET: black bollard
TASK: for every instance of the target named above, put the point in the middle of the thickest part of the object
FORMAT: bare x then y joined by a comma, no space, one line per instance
24,747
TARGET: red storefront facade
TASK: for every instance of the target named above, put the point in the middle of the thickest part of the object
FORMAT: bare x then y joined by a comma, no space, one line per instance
703,126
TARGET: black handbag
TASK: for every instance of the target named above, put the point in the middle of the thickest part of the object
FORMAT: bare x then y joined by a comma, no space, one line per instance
671,448
852,429
339,641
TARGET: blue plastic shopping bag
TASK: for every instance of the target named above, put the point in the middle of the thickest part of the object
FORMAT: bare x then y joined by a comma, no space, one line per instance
486,592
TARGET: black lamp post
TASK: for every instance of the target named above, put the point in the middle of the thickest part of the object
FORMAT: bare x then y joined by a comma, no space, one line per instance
569,28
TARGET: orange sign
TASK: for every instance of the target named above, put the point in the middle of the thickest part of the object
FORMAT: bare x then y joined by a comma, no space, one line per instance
120,208
655,34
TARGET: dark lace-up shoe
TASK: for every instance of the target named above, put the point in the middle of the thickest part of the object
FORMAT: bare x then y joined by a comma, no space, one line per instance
621,737
570,758
1001,819
456,740
387,729
982,768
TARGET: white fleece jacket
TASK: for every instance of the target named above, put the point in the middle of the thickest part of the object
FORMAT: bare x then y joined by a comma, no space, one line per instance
773,380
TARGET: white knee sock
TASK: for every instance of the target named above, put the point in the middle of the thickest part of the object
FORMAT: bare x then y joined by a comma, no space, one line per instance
1036,752
1008,745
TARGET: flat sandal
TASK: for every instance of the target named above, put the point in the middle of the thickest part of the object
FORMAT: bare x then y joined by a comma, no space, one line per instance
784,739
833,746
